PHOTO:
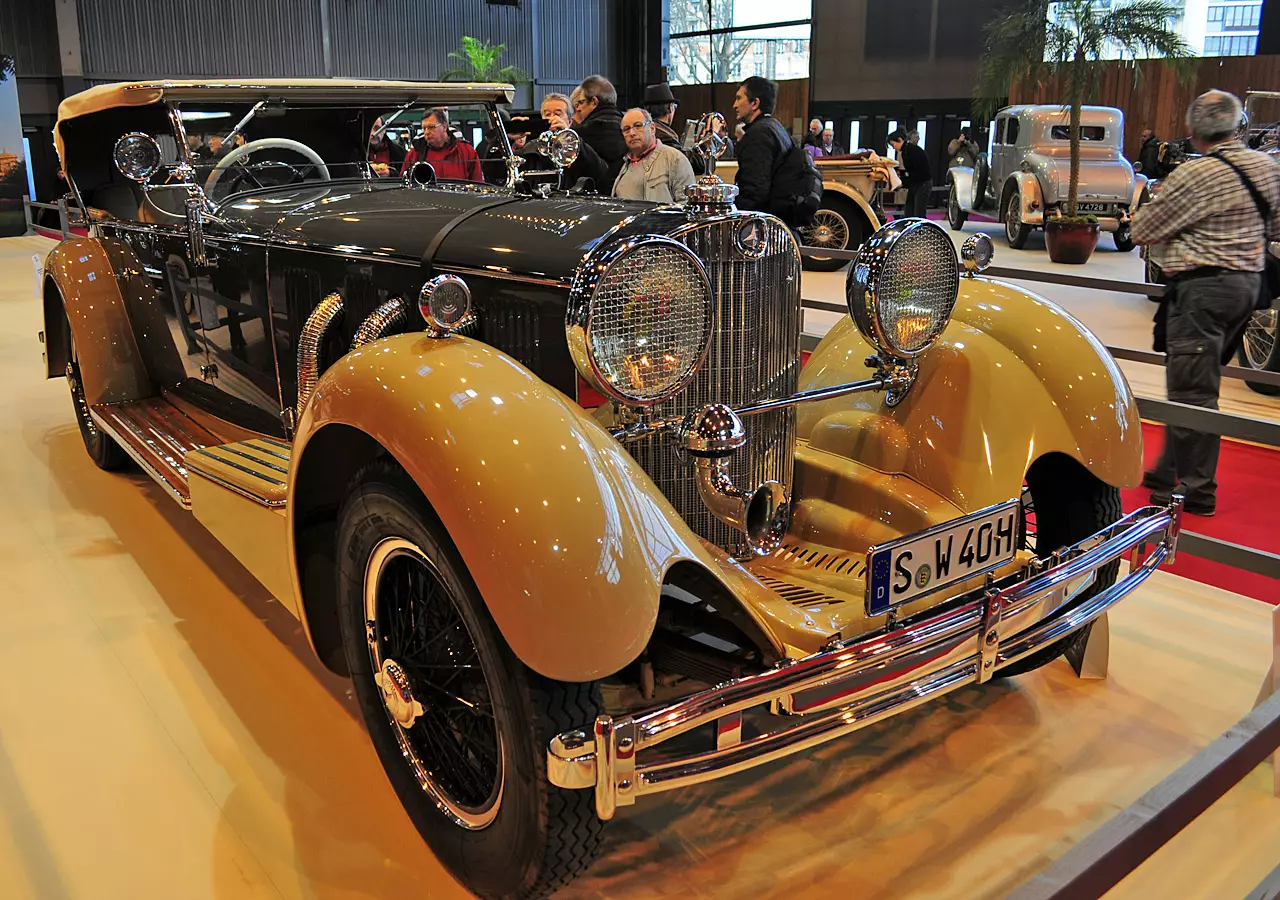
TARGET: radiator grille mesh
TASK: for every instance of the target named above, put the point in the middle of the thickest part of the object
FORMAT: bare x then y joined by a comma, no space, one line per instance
755,354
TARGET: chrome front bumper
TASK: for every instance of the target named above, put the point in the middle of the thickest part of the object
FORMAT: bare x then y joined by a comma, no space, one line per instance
862,680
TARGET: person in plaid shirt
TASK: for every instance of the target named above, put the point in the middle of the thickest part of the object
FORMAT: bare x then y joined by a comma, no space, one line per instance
1209,237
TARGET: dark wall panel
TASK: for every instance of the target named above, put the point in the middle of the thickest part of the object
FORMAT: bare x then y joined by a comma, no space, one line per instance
29,33
161,38
899,30
960,27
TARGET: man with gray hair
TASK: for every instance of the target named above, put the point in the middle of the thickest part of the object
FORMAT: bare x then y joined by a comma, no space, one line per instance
1207,230
599,124
652,170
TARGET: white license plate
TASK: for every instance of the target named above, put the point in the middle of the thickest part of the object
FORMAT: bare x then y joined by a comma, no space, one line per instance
940,556
1093,207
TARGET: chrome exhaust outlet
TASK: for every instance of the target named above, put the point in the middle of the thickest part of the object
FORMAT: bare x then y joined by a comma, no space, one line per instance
712,435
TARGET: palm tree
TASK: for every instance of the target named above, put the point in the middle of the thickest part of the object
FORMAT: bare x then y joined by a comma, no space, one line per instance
6,66
479,62
1064,42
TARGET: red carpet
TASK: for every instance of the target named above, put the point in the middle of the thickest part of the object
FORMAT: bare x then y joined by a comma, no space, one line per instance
1247,514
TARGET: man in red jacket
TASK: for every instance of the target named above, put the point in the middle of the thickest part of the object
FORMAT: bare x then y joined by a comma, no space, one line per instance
451,158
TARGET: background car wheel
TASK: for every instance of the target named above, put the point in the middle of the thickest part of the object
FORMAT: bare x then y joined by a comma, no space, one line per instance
1258,350
981,175
1015,232
1123,239
461,726
1064,503
837,225
956,217
102,448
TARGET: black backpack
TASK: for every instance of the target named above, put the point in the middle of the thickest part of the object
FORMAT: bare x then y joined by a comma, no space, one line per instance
796,192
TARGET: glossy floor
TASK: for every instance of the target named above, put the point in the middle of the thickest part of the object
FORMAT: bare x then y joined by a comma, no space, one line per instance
164,732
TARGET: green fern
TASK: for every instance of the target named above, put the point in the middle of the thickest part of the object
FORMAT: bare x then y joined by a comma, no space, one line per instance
479,61
1030,48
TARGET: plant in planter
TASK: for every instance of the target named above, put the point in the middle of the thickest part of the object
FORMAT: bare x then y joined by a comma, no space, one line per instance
481,61
1063,43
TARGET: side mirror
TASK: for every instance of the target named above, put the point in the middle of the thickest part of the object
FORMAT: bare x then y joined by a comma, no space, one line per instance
420,175
136,156
561,147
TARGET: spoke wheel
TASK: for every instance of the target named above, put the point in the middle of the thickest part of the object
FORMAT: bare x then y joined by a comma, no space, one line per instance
433,683
828,231
837,225
956,217
460,725
1015,232
1258,349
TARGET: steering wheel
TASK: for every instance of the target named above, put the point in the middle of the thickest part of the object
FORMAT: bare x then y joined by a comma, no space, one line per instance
296,175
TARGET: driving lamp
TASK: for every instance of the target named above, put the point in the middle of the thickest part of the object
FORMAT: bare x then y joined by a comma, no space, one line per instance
445,304
903,286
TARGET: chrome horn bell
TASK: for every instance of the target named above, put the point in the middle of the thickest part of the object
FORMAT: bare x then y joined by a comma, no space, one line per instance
711,436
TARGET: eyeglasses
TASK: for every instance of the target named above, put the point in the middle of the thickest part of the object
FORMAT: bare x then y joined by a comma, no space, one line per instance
641,127
582,101
433,127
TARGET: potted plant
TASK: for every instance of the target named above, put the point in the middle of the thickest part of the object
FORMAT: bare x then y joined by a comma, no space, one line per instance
1064,42
481,61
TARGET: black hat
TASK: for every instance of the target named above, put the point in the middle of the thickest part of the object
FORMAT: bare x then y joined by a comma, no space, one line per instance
658,93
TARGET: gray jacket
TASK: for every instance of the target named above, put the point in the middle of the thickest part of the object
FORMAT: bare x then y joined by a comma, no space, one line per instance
661,176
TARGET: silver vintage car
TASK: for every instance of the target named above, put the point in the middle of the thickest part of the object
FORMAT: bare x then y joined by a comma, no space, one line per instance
1025,180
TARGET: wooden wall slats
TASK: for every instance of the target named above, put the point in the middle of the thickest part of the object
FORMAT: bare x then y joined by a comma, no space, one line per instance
696,99
1158,101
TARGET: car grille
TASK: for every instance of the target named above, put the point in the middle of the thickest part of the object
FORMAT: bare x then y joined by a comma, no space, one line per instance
755,355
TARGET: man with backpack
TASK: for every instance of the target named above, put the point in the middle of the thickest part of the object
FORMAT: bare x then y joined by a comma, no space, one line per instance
774,174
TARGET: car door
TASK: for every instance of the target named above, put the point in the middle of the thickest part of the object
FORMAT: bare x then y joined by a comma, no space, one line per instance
240,382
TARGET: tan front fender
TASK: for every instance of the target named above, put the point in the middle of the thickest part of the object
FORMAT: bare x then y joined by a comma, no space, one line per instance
1013,378
566,537
81,275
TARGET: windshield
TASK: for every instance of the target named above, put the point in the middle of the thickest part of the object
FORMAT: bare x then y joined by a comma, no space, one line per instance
236,148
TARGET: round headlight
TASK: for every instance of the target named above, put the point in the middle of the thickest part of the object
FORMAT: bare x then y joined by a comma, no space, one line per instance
903,286
445,304
976,253
640,319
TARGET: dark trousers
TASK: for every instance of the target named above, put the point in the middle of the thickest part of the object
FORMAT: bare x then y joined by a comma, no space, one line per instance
918,200
1205,313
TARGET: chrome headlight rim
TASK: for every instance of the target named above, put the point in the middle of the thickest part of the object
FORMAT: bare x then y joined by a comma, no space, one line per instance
977,253
863,281
437,327
580,316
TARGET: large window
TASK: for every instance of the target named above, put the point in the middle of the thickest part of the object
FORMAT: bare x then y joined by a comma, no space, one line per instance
729,40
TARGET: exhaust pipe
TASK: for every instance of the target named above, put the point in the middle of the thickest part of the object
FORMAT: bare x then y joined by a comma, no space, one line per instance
712,435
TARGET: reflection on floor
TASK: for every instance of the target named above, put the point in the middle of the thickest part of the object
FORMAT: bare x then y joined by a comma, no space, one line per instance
165,732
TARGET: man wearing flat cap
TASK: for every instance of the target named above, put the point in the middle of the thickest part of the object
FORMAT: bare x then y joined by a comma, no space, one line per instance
661,104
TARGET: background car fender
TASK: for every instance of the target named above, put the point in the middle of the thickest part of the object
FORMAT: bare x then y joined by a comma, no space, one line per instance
850,194
1028,188
81,274
1139,190
1013,377
962,178
565,535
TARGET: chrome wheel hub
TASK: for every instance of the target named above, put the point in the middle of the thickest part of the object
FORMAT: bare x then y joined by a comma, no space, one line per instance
828,231
397,695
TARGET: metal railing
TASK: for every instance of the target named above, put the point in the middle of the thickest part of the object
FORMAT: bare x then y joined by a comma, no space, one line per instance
1107,855
64,219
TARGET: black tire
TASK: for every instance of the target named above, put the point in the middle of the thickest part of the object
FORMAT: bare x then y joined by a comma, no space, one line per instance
1123,239
1015,232
838,225
1260,350
1067,504
956,217
101,447
494,820
981,176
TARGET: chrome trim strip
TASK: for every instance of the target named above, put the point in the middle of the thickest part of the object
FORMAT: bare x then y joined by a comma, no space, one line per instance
254,442
229,448
922,659
563,283
235,465
235,488
137,456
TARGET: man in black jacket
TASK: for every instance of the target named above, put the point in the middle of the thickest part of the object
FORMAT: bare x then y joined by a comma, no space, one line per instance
764,142
917,177
1149,154
599,123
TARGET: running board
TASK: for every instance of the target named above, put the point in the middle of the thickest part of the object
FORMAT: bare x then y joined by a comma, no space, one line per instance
158,436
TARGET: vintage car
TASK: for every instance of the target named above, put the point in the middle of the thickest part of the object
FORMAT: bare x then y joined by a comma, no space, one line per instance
498,448
1025,179
851,211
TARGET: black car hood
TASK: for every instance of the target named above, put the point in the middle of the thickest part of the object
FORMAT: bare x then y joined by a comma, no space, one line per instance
492,231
